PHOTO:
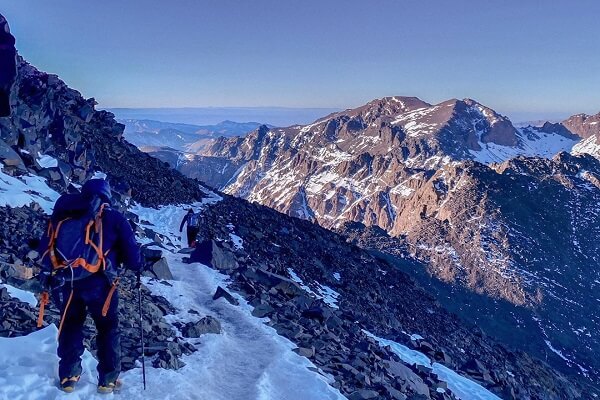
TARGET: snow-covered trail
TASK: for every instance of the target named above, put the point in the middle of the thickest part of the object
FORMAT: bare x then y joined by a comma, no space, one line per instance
247,361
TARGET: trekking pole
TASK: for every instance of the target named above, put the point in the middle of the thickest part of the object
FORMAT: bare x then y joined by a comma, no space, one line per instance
139,287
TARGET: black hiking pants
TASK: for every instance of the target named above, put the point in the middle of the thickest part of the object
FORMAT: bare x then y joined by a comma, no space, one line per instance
192,232
89,295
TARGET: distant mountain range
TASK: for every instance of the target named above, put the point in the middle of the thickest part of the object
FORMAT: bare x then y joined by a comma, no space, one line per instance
181,137
406,131
278,116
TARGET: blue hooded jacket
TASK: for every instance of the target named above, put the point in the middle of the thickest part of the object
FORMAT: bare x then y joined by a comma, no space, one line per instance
117,234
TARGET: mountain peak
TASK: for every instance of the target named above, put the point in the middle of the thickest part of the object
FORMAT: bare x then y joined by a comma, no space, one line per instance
583,125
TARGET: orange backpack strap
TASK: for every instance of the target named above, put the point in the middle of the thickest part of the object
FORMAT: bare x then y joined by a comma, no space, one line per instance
54,234
44,300
111,292
98,248
64,314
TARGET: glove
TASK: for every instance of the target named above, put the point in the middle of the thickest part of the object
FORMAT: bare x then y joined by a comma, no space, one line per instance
45,280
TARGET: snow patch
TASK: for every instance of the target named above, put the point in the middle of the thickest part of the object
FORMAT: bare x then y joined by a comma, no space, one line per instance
22,295
27,189
238,242
46,161
99,175
28,367
556,351
588,146
329,296
531,143
325,293
463,388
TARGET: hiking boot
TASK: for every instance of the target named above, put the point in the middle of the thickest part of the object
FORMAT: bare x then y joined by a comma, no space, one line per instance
109,387
68,384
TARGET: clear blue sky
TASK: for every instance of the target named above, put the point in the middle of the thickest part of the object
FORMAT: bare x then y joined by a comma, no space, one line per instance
515,56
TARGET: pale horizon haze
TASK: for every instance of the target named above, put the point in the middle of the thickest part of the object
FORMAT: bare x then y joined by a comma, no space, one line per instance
527,59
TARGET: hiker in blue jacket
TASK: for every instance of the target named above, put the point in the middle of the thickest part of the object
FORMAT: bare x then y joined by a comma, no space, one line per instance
193,226
82,289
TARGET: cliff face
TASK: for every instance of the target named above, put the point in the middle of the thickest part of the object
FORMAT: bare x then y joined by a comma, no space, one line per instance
521,237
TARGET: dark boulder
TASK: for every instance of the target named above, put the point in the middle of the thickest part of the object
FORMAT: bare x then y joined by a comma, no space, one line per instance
220,292
159,270
196,329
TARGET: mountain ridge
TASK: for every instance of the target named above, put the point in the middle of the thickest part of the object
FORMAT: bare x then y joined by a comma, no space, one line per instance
416,171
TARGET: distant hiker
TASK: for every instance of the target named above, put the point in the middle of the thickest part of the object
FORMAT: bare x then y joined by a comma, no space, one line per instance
8,66
193,226
85,242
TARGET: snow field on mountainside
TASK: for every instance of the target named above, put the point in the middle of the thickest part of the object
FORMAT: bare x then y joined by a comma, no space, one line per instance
531,144
589,146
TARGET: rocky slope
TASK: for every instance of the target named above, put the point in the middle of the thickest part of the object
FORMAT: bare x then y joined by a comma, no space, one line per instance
49,118
323,294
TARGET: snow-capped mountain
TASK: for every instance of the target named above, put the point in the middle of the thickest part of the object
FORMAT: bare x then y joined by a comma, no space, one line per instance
454,183
360,164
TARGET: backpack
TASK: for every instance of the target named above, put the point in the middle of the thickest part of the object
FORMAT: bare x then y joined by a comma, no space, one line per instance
194,221
75,233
